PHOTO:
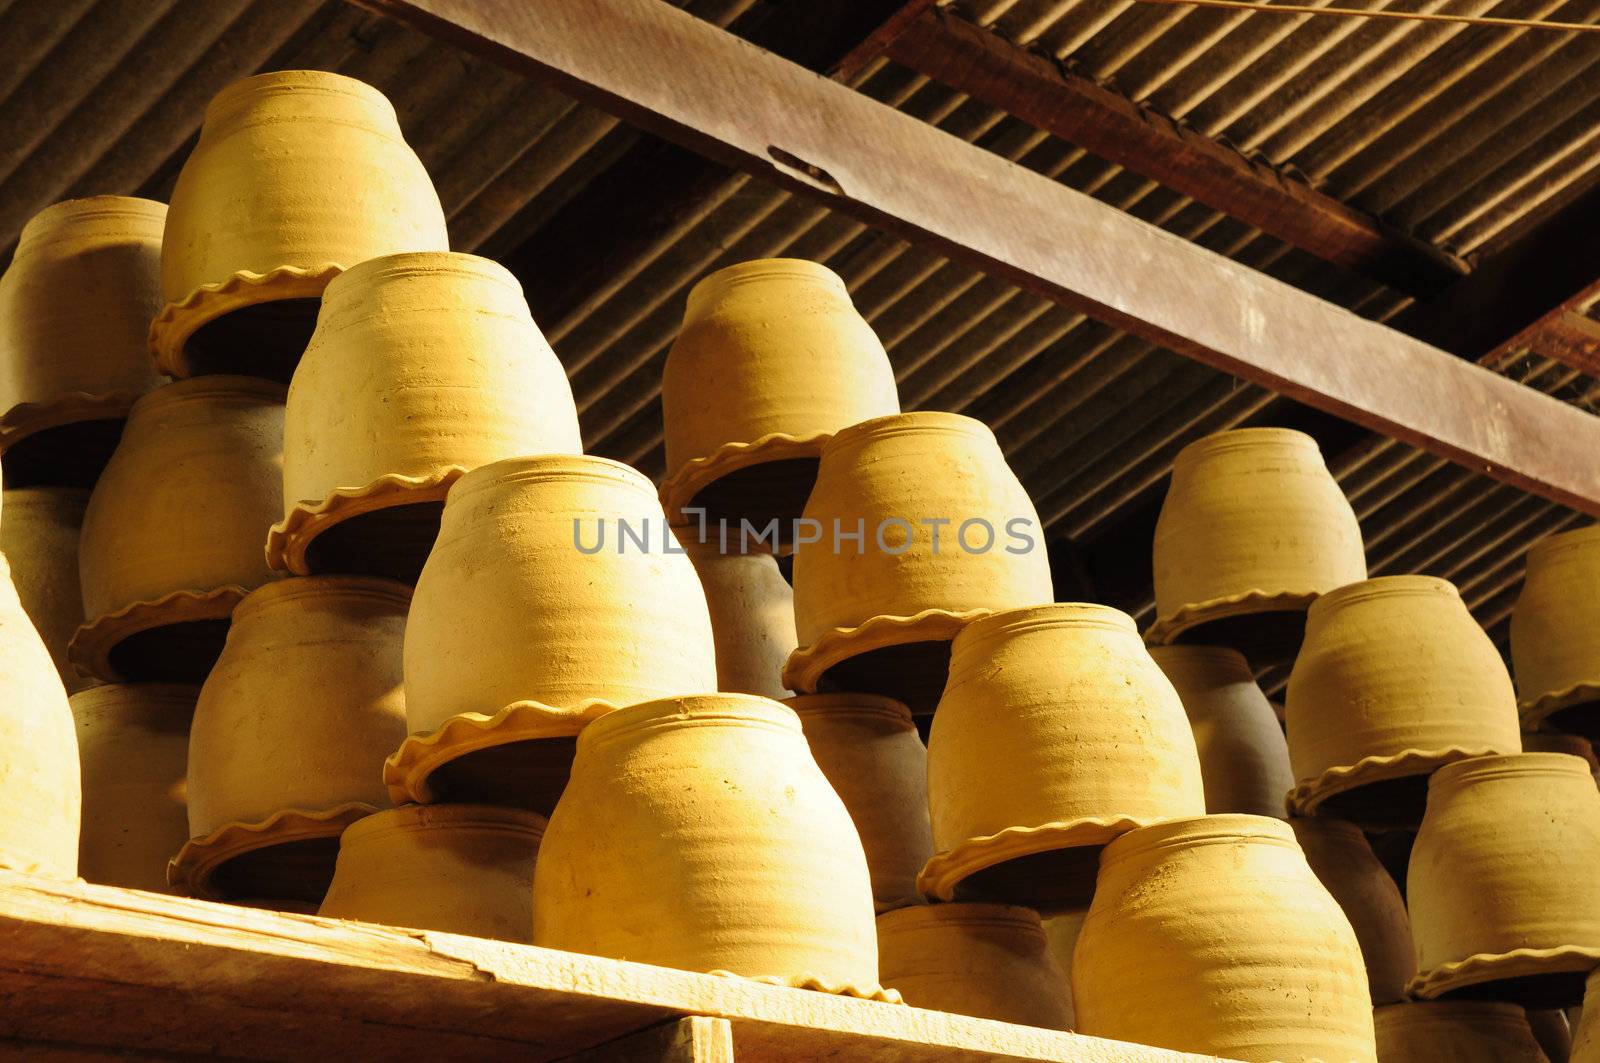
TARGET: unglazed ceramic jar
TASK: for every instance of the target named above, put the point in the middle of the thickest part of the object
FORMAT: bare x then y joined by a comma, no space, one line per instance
172,535
422,366
1455,1031
1252,530
74,308
527,624
1344,863
771,361
988,960
290,734
39,536
298,174
1211,935
1056,734
1504,881
752,611
724,844
947,535
1394,680
465,869
1062,932
1555,635
1586,1032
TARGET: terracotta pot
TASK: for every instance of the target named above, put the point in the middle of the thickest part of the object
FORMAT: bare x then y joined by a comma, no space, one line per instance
422,366
1395,679
1093,741
1212,935
1553,1033
869,749
1586,1029
771,361
172,536
1062,932
1504,881
877,615
74,308
752,612
1555,635
1252,530
465,869
1244,760
988,960
39,778
40,537
1456,1031
297,175
526,626
133,740
290,735
725,846
1345,864
1555,742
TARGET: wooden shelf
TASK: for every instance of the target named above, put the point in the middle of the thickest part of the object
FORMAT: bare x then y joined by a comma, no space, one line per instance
92,972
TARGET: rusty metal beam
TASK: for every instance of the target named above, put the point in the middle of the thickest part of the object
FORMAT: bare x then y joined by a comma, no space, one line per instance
659,67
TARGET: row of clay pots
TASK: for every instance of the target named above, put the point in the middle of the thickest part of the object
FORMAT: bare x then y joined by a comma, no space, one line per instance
1555,644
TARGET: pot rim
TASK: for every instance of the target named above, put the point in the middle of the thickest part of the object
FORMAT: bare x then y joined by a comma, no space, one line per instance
1238,438
410,263
1225,658
690,710
117,695
236,95
914,917
1383,587
1195,831
916,422
1560,541
1030,618
51,222
1459,772
245,389
370,588
876,706
1430,1010
413,818
1329,826
538,467
757,269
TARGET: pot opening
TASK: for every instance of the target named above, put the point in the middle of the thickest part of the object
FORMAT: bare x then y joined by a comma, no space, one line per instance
1050,882
1272,636
392,542
913,673
529,775
758,494
265,340
299,870
68,455
174,653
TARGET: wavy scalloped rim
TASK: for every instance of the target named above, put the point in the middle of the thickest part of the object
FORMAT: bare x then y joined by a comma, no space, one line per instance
1310,794
91,645
1535,711
1168,628
694,475
820,985
171,329
948,869
289,539
70,407
406,770
1493,967
200,857
805,667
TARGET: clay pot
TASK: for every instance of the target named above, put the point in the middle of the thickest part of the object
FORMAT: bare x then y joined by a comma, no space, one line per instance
877,615
1555,635
1212,935
297,175
290,734
725,846
40,538
1555,742
1344,863
465,869
527,624
39,777
771,361
1092,739
1062,932
133,740
172,536
422,366
987,960
1244,761
1395,679
74,308
1504,881
752,612
1252,530
870,752
1456,1031
1586,1028
1553,1033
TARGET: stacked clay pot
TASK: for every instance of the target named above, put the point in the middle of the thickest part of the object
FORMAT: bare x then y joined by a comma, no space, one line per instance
1455,1031
1345,865
869,751
1555,635
772,359
133,740
752,611
1555,742
1395,679
1244,762
725,849
289,736
172,535
298,174
1062,930
527,625
465,869
39,536
423,366
1504,881
1056,734
876,613
988,960
1211,935
1252,530
1552,1031
1586,1030
75,305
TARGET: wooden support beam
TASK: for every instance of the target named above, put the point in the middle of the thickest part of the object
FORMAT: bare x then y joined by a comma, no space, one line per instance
661,68
696,1039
